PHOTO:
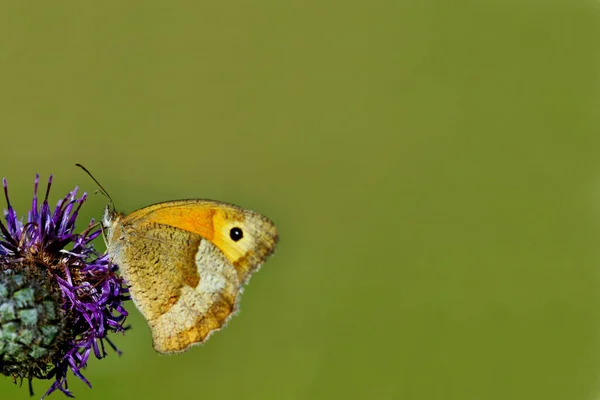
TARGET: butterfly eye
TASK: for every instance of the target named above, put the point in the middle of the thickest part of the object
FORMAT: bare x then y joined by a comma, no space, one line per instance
236,234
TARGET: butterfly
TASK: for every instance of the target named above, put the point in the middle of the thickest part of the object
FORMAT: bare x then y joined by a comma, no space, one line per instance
186,263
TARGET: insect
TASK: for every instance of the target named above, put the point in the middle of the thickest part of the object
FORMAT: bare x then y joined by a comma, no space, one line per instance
186,263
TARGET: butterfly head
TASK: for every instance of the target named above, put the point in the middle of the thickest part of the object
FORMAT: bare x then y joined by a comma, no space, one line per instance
108,216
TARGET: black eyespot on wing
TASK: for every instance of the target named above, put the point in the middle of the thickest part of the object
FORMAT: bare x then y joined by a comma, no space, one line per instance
236,234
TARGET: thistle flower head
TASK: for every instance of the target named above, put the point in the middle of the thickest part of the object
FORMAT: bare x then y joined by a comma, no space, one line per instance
59,298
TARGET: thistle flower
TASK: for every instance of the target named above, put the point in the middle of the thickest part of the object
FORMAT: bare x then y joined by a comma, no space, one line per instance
59,298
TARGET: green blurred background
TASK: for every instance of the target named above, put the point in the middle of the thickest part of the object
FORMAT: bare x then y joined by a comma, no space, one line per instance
433,168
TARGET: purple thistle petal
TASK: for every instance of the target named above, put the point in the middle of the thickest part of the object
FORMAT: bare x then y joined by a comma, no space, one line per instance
33,214
85,355
63,223
45,222
99,354
10,211
8,236
71,222
76,368
12,222
50,178
94,235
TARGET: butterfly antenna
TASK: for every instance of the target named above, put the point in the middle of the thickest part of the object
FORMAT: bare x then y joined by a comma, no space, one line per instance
111,204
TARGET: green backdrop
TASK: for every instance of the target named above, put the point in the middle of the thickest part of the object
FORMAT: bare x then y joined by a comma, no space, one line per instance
433,168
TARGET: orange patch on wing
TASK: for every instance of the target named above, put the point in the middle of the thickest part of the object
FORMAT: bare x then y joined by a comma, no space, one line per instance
198,220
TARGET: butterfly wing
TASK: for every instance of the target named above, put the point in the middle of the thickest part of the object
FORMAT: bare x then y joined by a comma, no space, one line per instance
184,266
